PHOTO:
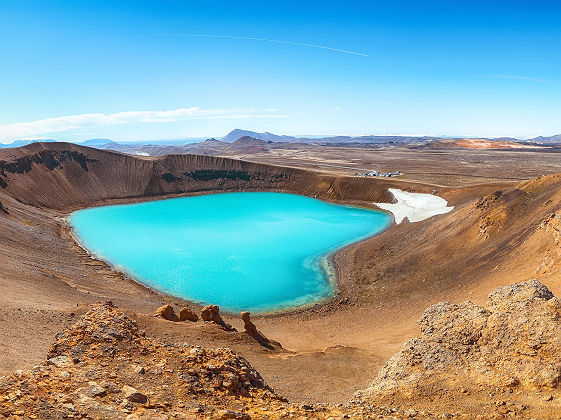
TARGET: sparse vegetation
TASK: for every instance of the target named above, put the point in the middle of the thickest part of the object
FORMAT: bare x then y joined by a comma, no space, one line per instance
212,174
169,177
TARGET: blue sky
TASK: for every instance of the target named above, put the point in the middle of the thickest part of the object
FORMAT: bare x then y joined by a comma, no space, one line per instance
129,70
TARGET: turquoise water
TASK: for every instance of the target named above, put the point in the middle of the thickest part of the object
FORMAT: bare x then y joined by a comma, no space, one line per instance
255,251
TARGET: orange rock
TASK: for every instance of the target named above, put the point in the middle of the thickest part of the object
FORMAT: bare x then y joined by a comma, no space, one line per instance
166,312
186,314
211,313
249,326
252,331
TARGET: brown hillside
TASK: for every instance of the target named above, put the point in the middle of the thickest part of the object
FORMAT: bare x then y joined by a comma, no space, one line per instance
508,235
66,176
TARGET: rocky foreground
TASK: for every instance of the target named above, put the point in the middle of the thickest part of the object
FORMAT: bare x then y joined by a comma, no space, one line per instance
103,367
496,361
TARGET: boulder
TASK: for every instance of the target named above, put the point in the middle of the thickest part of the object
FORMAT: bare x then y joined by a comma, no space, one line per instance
211,313
207,312
186,314
94,390
229,414
133,395
166,312
59,361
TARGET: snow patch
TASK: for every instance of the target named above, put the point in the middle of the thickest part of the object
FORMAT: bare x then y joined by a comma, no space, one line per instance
415,206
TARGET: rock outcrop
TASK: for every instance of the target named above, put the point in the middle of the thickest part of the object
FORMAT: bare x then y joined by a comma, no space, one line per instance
186,314
511,345
514,341
211,313
167,313
252,331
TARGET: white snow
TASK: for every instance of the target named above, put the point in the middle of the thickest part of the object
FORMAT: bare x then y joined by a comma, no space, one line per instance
415,206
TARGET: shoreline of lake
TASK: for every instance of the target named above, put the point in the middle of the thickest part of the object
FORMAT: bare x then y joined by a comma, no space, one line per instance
325,262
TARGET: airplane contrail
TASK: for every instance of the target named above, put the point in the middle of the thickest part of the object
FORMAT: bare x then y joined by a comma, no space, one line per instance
278,41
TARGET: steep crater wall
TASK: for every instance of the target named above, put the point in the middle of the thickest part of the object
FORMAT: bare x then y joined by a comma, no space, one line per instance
66,176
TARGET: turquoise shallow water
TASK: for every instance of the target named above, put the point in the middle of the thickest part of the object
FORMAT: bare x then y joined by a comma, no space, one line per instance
254,251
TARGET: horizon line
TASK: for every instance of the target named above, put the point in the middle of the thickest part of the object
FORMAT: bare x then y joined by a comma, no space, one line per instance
310,136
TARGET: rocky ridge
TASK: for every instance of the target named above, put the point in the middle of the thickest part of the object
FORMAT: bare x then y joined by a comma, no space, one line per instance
104,367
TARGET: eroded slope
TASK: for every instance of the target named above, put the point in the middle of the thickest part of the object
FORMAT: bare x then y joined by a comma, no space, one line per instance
67,176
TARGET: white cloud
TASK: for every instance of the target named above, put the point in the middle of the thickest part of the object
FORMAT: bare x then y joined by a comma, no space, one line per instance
84,121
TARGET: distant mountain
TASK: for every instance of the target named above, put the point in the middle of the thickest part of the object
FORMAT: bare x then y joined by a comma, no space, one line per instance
96,142
19,143
237,133
270,137
503,139
250,141
556,139
370,139
341,140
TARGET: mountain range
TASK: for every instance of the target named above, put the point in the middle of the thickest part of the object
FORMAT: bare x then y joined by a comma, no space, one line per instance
236,134
270,137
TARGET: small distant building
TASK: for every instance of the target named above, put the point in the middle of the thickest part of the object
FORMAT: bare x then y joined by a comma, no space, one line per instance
379,174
